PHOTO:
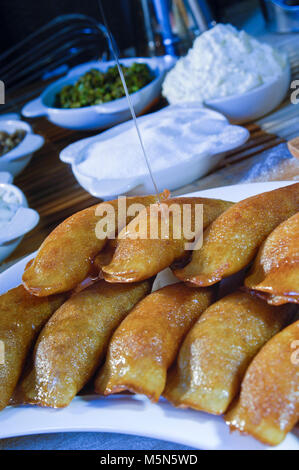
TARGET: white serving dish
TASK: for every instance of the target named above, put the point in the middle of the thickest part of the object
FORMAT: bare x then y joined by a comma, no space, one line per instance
254,103
171,178
103,115
6,177
23,221
135,414
18,158
9,116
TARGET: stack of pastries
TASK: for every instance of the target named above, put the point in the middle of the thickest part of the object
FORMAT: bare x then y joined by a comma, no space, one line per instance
222,339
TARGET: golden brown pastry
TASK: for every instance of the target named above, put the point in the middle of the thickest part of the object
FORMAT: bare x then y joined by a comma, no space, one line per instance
268,406
73,343
104,257
218,349
21,317
65,257
141,258
147,341
232,240
276,268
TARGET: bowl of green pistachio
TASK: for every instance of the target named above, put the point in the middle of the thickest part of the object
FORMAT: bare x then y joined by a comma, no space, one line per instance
92,96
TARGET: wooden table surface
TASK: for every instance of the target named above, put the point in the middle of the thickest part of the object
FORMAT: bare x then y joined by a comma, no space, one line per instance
52,190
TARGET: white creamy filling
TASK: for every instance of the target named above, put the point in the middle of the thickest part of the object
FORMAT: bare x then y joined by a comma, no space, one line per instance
9,204
223,61
170,137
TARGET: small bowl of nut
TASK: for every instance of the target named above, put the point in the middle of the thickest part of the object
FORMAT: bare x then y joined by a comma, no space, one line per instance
17,144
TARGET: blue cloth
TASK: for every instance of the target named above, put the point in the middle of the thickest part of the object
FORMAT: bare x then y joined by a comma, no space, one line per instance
86,441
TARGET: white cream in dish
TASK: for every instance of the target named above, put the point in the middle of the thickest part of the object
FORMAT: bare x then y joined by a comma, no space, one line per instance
9,204
171,136
222,62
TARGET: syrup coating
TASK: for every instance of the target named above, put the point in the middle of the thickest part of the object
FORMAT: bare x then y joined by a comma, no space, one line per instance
73,343
276,268
218,349
65,257
104,257
21,318
268,406
232,240
138,259
146,343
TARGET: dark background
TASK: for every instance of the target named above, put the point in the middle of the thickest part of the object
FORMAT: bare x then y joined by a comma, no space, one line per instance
18,18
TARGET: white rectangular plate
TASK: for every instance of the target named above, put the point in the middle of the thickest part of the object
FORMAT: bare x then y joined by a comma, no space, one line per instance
135,414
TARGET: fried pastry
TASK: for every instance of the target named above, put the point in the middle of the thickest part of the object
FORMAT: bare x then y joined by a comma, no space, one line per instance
276,268
232,240
21,318
146,343
65,257
218,349
104,257
268,406
140,258
73,343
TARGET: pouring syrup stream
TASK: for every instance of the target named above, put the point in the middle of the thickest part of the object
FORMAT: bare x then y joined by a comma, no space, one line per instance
115,54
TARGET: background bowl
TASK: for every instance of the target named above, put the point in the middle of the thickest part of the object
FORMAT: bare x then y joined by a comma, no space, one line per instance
6,177
255,103
172,177
103,115
18,158
6,248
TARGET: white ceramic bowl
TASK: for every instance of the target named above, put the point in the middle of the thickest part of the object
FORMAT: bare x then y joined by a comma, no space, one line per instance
18,158
171,178
6,177
255,103
23,221
103,115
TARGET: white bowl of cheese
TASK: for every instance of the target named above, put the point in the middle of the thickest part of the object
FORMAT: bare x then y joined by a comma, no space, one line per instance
231,72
